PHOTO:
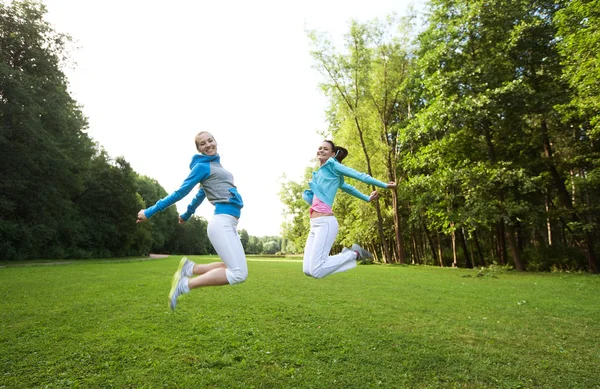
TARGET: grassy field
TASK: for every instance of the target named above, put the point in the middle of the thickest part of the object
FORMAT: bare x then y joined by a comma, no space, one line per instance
102,324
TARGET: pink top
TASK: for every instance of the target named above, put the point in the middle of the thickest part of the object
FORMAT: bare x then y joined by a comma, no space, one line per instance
319,206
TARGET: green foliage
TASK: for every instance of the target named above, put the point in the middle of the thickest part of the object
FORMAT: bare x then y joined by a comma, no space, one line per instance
162,226
486,121
107,323
191,238
254,246
44,149
580,54
271,247
244,238
61,195
296,224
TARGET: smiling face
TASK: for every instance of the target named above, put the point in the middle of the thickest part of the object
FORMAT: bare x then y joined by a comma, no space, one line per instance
206,143
325,152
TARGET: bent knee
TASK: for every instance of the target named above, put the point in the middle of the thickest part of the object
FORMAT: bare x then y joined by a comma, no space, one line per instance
314,274
237,276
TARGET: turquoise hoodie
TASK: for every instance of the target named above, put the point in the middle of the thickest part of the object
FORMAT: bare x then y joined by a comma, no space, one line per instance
216,185
330,177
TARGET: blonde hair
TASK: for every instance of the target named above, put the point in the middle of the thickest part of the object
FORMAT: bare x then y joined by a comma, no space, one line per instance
197,139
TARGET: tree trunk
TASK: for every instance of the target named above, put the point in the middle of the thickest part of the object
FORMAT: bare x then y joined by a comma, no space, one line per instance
397,230
501,243
415,251
514,248
463,244
431,245
548,222
453,246
439,245
384,244
565,198
478,247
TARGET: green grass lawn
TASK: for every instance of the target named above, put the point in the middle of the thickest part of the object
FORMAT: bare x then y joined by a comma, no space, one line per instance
107,324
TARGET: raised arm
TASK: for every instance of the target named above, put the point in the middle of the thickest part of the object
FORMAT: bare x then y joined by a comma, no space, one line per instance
349,172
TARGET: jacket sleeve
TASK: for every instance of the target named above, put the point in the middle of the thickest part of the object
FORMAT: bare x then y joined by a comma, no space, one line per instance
308,195
198,174
198,199
349,172
354,192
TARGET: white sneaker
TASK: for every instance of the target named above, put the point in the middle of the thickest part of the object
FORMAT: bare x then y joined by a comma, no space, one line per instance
179,286
362,253
186,267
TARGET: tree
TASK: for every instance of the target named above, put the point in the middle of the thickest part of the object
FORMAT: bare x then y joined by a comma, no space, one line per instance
162,225
107,207
351,88
296,222
579,47
191,238
44,150
255,246
244,238
270,247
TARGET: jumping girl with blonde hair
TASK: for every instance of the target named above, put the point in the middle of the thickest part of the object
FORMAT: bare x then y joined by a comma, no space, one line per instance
216,184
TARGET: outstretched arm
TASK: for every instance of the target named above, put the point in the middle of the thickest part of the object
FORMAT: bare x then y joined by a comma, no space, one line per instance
198,174
356,193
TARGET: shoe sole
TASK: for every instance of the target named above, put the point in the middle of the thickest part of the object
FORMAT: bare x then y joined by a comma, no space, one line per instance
363,254
181,265
174,283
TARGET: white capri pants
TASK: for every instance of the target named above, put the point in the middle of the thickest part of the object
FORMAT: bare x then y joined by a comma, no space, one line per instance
317,263
222,233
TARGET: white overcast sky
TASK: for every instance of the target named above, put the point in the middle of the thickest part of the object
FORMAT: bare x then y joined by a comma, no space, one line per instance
152,74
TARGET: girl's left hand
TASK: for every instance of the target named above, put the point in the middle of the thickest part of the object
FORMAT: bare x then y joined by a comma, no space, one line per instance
391,185
374,196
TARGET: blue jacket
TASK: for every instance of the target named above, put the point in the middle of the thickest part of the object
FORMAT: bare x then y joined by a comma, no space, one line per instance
216,185
330,177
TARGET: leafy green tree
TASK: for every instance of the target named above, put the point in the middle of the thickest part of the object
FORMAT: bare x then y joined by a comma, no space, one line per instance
107,208
255,246
244,238
579,47
162,225
270,247
191,238
296,224
577,147
347,86
44,150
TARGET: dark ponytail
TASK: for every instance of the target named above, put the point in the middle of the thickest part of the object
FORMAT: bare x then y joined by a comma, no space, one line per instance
340,152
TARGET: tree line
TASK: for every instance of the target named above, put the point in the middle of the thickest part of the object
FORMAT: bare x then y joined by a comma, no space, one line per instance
488,119
61,194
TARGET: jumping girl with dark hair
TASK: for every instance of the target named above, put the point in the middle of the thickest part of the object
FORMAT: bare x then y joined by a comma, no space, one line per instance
324,226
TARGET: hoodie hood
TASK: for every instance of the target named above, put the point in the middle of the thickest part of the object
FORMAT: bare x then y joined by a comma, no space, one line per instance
201,158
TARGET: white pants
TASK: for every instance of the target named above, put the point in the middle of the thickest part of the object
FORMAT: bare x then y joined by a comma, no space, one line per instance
222,233
317,262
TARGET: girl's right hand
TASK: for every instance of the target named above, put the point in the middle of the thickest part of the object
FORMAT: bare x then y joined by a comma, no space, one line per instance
391,185
141,217
181,221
